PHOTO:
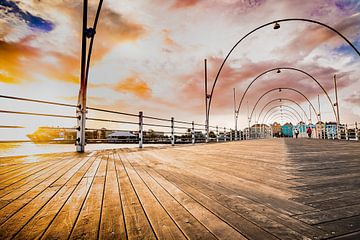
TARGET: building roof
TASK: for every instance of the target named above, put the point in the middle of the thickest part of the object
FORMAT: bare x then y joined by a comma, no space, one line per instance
122,134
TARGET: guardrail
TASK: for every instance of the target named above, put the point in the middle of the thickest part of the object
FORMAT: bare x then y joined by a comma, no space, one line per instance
139,128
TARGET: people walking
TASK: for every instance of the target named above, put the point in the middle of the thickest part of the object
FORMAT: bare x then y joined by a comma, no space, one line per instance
309,131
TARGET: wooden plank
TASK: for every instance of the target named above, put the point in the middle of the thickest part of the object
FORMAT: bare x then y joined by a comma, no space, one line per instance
14,224
88,222
29,181
112,224
161,222
276,199
63,223
42,219
28,196
136,220
213,223
189,225
341,226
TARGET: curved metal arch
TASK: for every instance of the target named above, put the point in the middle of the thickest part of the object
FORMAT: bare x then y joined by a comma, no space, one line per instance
286,88
286,99
278,115
286,68
287,112
281,111
267,24
286,107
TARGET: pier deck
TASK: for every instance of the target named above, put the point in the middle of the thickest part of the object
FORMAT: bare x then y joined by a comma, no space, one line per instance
258,189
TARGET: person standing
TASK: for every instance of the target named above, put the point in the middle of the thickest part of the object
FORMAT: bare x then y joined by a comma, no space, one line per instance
309,131
296,133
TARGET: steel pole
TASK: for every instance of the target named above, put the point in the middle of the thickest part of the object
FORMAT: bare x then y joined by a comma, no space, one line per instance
337,109
206,104
141,129
172,132
235,116
81,108
193,132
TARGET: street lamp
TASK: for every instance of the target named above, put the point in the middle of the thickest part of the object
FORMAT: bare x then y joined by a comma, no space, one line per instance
276,26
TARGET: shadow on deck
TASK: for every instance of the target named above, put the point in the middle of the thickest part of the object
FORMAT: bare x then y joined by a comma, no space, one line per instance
264,189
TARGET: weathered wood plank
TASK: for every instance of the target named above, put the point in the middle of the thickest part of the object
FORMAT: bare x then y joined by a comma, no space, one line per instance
112,224
42,219
136,220
64,221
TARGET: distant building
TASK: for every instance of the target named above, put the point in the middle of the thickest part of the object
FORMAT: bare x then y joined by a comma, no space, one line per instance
276,129
320,130
301,127
330,130
287,130
121,135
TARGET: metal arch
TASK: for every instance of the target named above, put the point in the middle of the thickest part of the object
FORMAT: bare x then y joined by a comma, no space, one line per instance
287,112
282,110
262,26
286,88
283,106
286,99
278,115
287,68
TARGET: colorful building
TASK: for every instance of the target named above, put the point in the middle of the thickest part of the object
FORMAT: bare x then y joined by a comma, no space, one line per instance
287,130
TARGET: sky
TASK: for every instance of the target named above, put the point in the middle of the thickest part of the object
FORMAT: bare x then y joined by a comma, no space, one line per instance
149,56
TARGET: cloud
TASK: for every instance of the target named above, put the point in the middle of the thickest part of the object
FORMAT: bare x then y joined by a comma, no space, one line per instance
50,54
135,86
315,36
14,60
354,98
35,22
184,3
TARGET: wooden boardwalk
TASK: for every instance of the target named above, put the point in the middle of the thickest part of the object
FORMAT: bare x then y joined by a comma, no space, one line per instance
260,189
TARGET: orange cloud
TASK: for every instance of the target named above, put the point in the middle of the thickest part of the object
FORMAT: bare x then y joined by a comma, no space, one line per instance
184,3
135,86
14,59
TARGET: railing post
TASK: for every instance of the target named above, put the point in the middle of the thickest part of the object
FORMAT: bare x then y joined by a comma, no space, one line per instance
230,134
172,132
217,134
192,132
224,134
207,132
356,132
346,132
141,132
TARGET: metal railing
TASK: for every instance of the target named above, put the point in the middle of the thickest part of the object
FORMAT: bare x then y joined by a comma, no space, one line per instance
135,128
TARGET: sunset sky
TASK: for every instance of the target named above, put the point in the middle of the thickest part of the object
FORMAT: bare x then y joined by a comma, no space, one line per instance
149,56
